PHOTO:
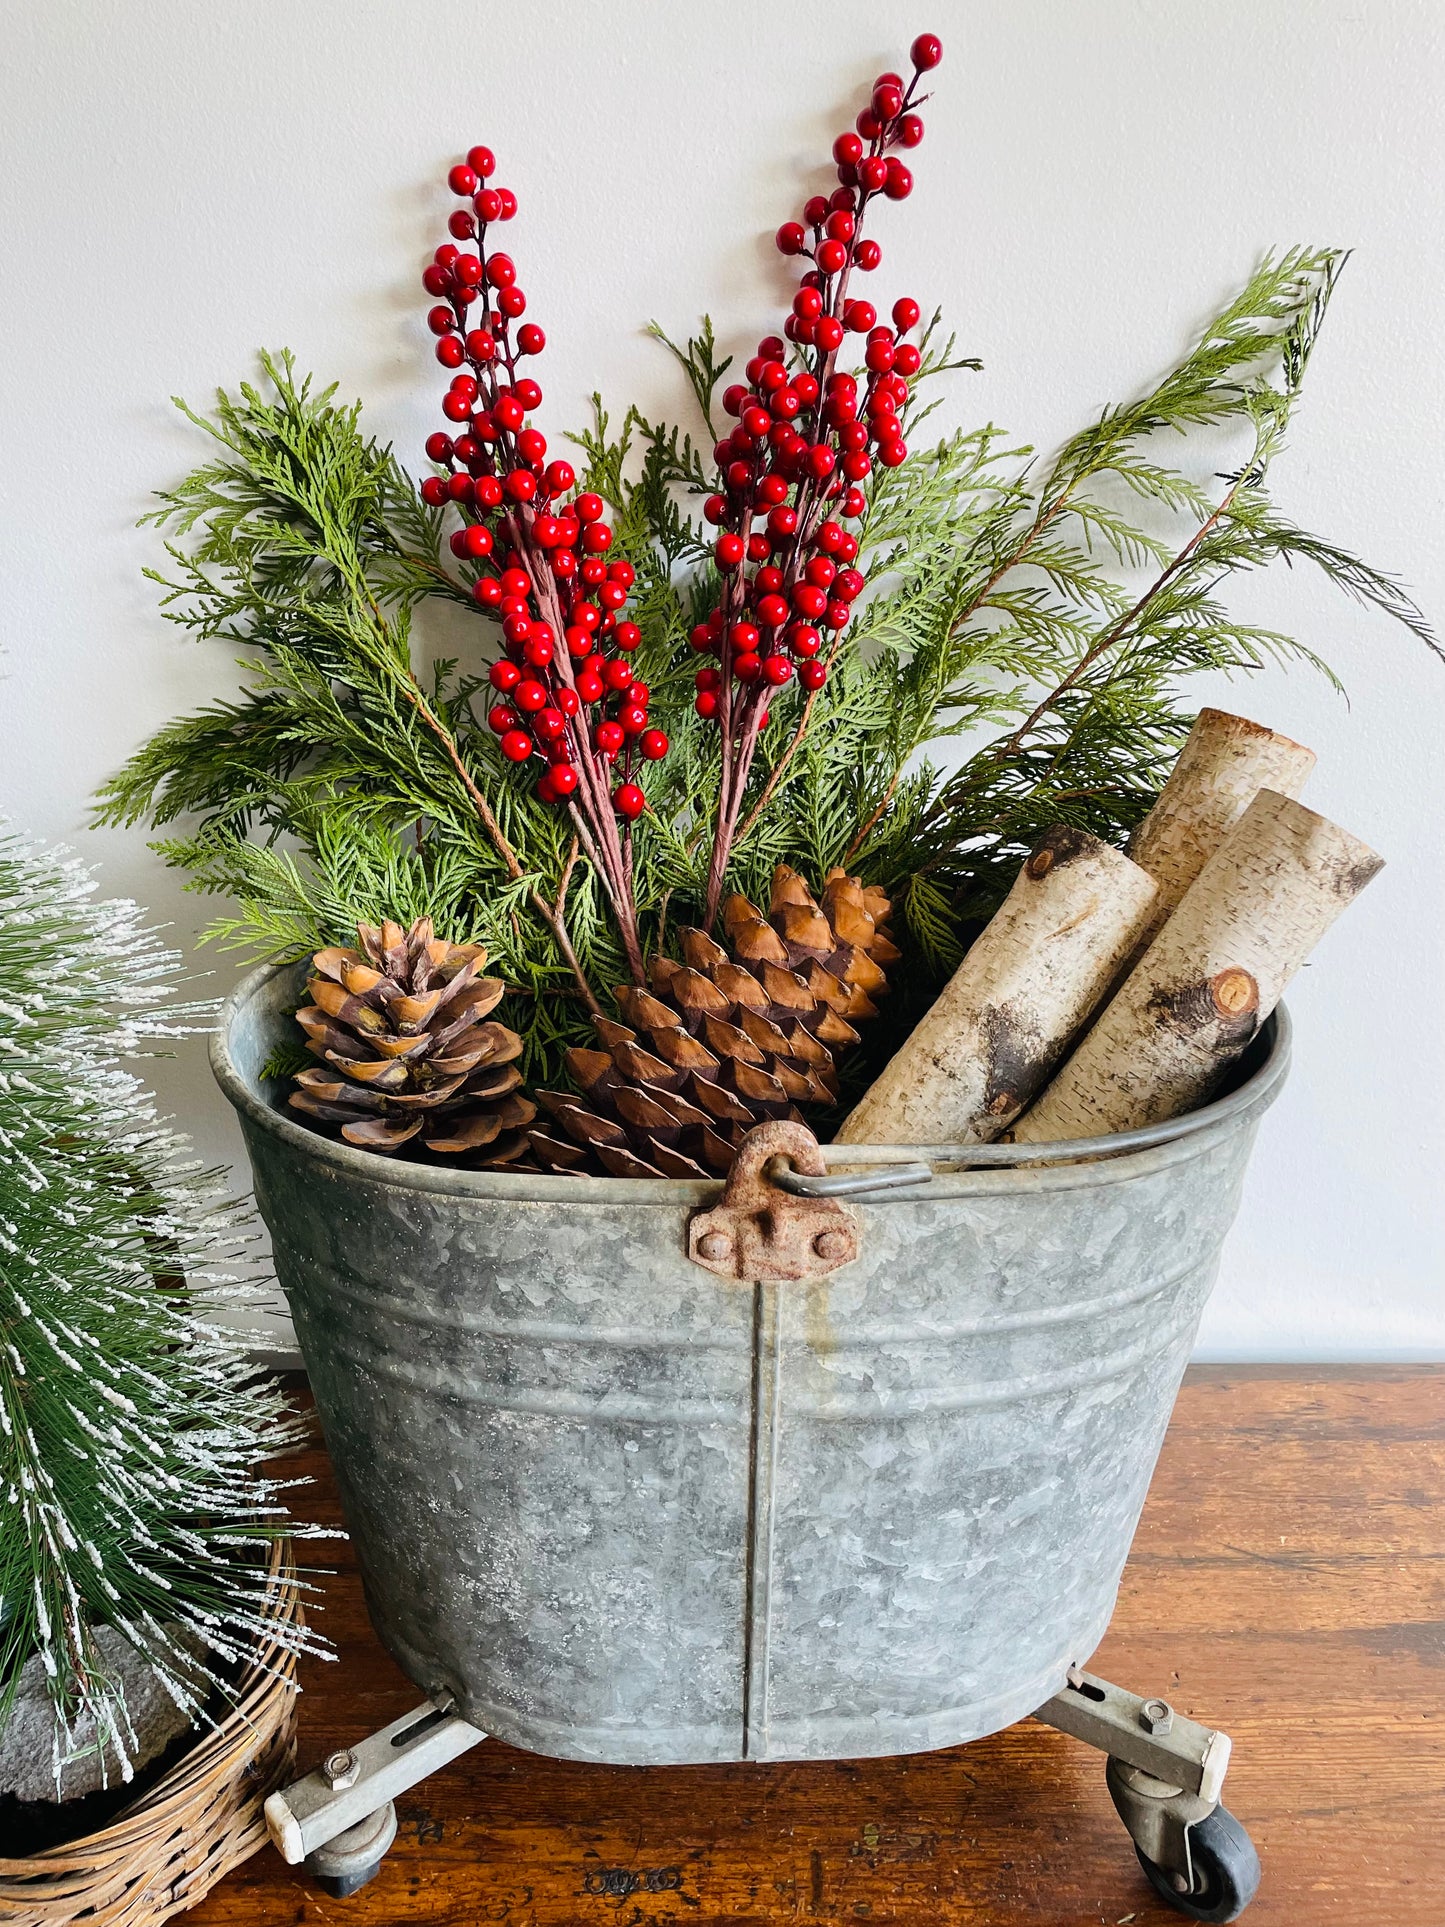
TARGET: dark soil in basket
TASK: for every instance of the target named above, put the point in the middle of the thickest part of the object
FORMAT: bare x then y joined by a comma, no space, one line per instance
32,1826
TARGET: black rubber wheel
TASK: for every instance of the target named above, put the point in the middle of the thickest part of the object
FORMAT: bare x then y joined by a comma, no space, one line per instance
343,1886
1226,1870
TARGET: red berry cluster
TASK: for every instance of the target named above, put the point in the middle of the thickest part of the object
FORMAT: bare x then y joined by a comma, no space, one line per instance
793,467
537,553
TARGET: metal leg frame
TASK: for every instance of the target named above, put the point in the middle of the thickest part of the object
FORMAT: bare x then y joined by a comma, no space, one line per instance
1165,1773
340,1819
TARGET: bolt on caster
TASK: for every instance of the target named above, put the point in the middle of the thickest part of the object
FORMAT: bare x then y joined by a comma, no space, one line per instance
1165,1774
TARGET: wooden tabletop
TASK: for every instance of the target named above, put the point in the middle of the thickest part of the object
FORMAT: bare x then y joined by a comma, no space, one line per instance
1287,1584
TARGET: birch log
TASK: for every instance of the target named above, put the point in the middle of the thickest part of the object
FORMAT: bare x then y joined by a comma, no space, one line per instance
1212,975
1016,1002
1225,763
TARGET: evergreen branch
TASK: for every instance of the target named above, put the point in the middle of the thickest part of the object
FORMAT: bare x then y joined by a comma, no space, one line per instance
1111,636
1006,610
699,363
1257,535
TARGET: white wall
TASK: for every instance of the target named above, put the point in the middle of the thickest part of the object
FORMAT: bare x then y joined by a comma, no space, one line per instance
183,183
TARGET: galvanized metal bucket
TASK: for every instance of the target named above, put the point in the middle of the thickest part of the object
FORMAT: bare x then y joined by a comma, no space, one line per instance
619,1507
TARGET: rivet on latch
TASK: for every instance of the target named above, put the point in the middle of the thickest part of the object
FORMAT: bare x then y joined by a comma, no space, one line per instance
832,1245
715,1246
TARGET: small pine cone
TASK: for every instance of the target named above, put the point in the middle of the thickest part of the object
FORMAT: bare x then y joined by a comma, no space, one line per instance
411,1061
725,1039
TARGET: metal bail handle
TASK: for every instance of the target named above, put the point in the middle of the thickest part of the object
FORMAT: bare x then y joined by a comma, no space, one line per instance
761,1234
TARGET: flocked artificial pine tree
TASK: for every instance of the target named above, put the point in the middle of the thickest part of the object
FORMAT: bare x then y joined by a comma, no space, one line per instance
604,812
131,1424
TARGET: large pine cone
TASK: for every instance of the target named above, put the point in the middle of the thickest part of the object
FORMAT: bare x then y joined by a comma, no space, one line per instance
726,1039
412,1061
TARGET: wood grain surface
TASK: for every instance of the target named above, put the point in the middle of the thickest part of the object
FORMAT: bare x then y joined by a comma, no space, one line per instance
1287,1584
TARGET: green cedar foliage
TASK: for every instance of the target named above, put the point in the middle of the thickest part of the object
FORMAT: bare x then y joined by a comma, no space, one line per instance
1022,659
1048,618
131,1424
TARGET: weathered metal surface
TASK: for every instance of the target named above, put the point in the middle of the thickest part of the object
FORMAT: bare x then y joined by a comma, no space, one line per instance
614,1507
322,1804
1175,1751
762,1235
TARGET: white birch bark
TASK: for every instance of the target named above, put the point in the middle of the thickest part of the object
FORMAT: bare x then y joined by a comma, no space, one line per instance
1225,763
1212,975
1016,1002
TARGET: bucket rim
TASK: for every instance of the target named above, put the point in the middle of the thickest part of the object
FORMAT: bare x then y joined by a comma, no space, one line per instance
1115,1158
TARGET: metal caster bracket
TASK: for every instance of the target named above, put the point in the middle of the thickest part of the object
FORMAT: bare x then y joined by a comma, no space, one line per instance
1165,1773
352,1791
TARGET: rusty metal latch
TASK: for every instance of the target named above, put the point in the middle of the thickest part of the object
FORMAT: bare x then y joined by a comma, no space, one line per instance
760,1233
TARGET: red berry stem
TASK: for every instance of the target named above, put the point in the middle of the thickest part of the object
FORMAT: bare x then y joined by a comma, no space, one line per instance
791,471
535,552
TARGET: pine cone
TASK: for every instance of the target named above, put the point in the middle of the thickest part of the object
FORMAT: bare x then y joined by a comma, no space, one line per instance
725,1039
410,1056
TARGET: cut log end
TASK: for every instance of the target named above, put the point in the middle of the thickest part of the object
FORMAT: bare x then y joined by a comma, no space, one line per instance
1222,723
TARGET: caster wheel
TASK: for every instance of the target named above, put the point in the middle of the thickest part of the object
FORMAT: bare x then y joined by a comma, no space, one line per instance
1226,1870
344,1865
343,1886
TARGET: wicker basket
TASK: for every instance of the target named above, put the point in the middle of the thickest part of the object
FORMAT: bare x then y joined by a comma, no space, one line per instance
193,1826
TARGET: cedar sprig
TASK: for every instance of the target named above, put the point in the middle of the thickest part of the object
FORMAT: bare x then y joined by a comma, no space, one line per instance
298,554
1024,659
1061,628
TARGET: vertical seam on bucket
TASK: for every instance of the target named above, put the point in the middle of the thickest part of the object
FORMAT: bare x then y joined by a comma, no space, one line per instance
762,1470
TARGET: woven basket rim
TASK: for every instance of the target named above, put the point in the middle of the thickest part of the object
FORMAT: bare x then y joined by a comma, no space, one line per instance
272,1665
